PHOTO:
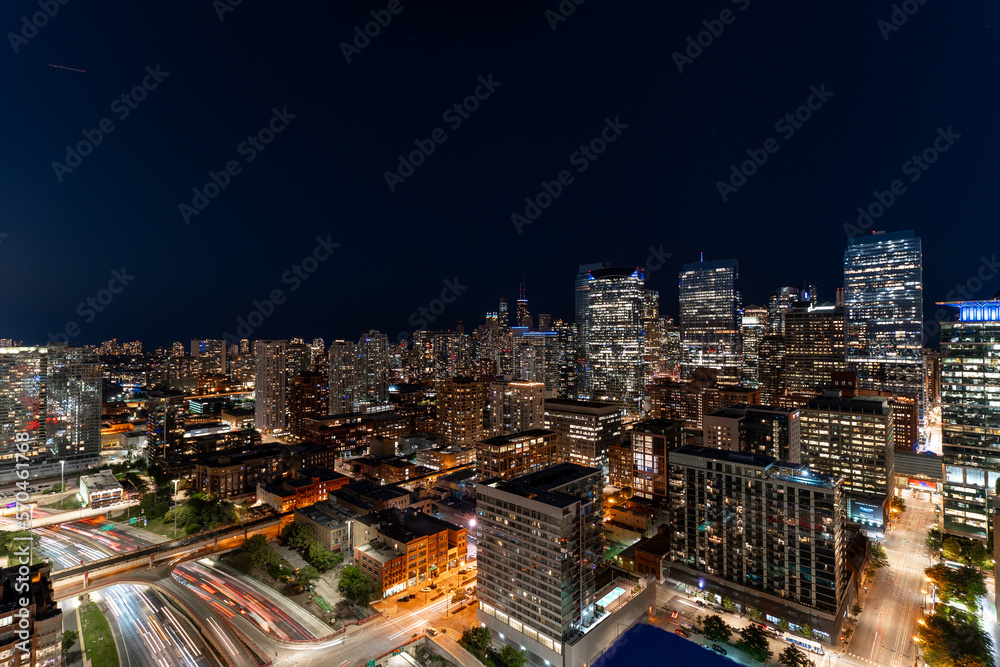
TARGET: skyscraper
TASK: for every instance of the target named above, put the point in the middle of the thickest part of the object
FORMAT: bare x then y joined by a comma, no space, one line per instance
883,296
586,430
51,395
523,314
515,406
710,319
970,415
814,348
212,354
73,403
269,385
581,297
461,406
615,335
308,398
343,376
373,369
753,327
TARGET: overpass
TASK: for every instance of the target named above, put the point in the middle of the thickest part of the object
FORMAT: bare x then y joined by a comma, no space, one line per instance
80,578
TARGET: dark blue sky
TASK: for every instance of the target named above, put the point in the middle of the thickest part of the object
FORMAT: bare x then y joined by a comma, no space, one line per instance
323,175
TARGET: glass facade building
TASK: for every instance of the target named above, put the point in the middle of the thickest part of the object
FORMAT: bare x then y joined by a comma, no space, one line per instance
814,348
970,416
615,335
753,325
711,319
883,297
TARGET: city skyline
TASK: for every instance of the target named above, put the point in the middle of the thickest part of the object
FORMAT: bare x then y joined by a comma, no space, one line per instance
337,121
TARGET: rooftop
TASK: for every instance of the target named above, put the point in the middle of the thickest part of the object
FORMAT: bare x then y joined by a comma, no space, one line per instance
516,437
566,403
872,405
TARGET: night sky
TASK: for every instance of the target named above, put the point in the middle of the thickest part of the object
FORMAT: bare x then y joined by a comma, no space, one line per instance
217,82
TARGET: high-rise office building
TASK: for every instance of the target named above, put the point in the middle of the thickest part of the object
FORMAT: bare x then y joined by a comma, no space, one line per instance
581,297
884,301
814,348
710,319
568,358
51,395
73,402
270,385
540,542
461,406
767,534
753,327
308,398
615,335
373,369
523,314
755,429
212,353
970,416
515,406
853,438
586,429
343,376
932,371
537,357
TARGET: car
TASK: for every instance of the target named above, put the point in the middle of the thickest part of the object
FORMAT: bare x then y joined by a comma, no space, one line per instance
718,649
700,603
403,599
680,632
463,571
426,589
431,632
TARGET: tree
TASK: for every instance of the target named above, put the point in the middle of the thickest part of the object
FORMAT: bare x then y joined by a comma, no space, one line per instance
509,656
898,504
793,657
716,628
320,557
259,552
783,624
298,536
935,537
951,549
475,639
13,543
965,584
69,638
951,638
806,631
754,642
755,614
877,559
856,609
728,604
307,575
356,586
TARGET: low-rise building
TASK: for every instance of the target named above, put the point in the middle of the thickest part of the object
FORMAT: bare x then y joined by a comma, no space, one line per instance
100,490
236,474
307,487
331,524
363,496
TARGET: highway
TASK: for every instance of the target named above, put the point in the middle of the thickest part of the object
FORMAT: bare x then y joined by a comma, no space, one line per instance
147,629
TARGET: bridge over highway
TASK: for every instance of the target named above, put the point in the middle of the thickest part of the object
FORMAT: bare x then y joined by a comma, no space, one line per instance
77,579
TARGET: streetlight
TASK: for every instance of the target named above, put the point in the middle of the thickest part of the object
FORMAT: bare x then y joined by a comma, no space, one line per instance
63,501
175,508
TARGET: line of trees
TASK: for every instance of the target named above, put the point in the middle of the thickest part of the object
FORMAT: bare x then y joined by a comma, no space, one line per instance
301,538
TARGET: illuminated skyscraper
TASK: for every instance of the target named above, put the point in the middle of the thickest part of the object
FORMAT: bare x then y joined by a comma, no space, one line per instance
373,369
515,406
970,415
581,295
461,406
269,387
814,348
53,395
615,334
523,314
753,327
343,376
883,295
710,319
211,353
